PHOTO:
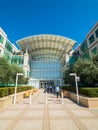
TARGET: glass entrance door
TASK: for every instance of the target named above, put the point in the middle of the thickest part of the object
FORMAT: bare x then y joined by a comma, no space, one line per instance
43,84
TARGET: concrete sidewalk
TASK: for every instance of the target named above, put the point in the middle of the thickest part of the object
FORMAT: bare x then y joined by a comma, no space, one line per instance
53,116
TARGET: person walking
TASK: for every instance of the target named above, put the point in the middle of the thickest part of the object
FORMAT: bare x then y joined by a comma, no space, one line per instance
57,89
50,89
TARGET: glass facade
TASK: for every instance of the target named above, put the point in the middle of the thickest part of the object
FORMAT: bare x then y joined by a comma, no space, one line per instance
7,56
96,32
19,60
8,46
91,39
46,70
84,46
85,55
46,58
72,60
94,50
1,39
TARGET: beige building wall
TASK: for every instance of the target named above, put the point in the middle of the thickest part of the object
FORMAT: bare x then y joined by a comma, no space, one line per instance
26,67
2,45
94,44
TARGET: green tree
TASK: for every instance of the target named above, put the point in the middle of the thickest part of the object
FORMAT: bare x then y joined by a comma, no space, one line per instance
4,70
87,71
8,73
67,78
12,75
94,58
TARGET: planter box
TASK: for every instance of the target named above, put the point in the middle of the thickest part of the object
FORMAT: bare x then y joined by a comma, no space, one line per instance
85,101
8,100
65,93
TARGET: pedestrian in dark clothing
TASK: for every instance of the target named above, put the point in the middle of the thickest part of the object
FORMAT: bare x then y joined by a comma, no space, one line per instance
57,90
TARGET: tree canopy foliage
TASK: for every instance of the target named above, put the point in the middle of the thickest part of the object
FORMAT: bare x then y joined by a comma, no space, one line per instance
8,73
87,70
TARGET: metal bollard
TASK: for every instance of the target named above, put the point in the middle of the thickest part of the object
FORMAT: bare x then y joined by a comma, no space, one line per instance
46,98
30,98
62,98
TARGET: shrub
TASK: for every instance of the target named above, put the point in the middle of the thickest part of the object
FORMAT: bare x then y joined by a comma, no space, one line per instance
87,91
19,89
3,92
11,90
90,92
72,89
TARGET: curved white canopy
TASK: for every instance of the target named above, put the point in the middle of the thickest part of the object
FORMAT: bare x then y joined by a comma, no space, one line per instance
46,46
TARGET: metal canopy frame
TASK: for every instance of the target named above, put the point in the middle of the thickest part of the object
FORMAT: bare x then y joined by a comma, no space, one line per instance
46,45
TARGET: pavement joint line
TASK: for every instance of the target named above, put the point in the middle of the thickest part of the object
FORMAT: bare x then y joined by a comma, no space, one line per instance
59,118
17,119
94,113
46,120
75,119
24,118
20,115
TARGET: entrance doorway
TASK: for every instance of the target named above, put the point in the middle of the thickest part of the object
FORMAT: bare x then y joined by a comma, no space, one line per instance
44,83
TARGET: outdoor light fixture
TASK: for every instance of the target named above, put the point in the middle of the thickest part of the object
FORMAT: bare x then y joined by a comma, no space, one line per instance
76,82
16,86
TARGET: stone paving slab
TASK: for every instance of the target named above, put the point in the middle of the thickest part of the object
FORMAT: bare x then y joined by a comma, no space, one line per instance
58,113
90,124
82,113
32,125
62,125
53,116
33,113
4,124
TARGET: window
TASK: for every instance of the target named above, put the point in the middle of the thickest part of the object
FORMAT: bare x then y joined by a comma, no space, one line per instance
94,51
8,46
1,39
96,32
84,46
46,70
91,39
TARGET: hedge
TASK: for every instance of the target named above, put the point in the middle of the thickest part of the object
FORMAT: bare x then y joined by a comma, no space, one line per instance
5,91
90,92
87,91
11,90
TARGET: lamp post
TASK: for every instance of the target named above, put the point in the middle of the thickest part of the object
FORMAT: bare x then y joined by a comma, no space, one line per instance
76,82
16,86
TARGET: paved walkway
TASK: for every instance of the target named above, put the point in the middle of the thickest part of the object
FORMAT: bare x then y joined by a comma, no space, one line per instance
53,116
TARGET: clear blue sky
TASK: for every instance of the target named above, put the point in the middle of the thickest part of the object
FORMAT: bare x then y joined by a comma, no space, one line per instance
69,18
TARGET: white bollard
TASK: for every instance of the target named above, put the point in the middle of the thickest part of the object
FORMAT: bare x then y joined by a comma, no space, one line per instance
62,97
46,98
30,98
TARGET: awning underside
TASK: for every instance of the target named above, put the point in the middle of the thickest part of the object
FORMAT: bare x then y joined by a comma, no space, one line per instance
46,46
